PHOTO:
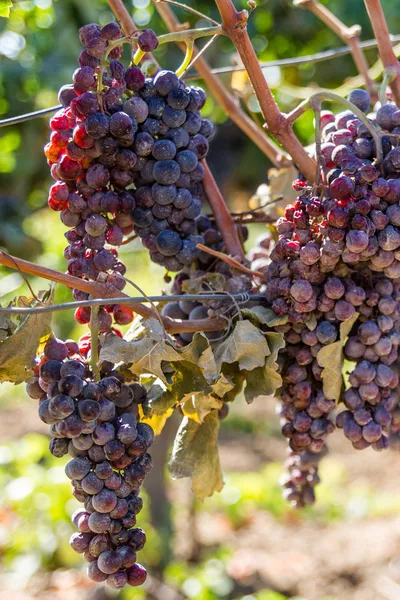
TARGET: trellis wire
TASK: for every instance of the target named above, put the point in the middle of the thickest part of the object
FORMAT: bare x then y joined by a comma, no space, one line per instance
240,298
283,62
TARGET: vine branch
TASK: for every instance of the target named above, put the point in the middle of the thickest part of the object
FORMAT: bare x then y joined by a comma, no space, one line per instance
223,217
234,23
101,290
382,35
350,36
224,98
230,261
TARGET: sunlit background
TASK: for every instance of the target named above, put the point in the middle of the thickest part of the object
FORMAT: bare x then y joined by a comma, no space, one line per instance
245,543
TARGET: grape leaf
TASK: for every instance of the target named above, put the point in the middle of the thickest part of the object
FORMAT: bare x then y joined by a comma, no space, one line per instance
195,455
246,345
189,378
198,405
264,316
275,343
18,351
222,385
237,377
5,6
311,323
210,281
264,381
261,382
156,422
330,358
146,355
200,353
7,326
158,401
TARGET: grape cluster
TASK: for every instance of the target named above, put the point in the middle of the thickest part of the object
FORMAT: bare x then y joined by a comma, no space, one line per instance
96,423
363,215
302,476
337,254
125,152
303,408
373,345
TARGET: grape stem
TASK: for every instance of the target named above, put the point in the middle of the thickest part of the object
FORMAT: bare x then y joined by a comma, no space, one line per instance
94,341
224,98
316,106
350,36
223,217
101,290
230,261
388,76
332,97
382,35
188,57
234,24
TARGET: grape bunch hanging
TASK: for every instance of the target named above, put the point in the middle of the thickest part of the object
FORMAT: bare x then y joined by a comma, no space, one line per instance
127,154
337,261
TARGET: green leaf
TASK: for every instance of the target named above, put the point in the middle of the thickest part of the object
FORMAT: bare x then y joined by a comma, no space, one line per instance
18,351
206,283
264,316
5,6
246,345
146,355
195,455
198,405
330,358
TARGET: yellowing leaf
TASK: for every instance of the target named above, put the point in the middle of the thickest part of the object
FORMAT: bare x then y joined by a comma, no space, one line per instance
195,455
157,422
347,326
264,316
222,386
265,380
18,351
146,355
198,405
199,352
246,345
261,382
158,401
330,358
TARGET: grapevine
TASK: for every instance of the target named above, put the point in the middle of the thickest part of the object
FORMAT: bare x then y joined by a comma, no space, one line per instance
311,314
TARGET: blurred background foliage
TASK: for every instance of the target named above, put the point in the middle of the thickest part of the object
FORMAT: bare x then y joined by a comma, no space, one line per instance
245,543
